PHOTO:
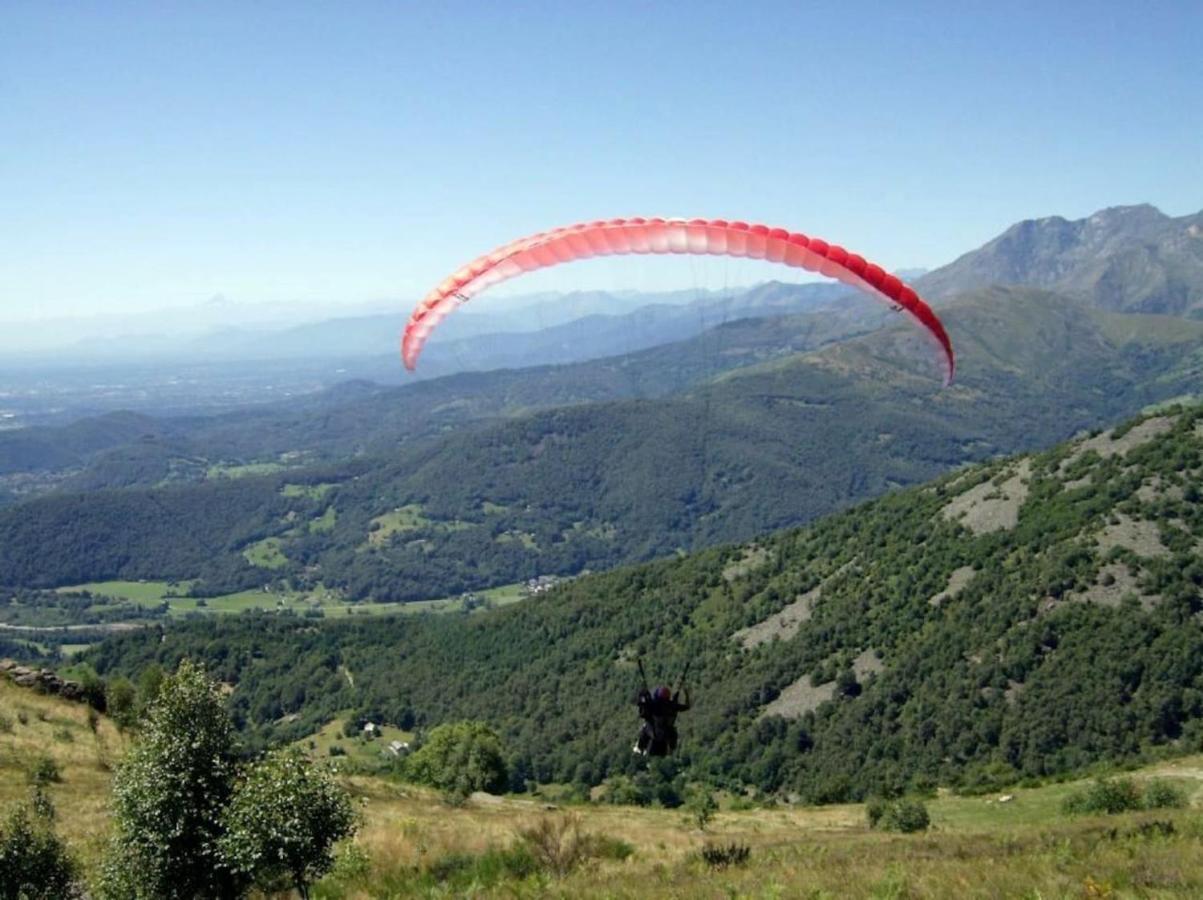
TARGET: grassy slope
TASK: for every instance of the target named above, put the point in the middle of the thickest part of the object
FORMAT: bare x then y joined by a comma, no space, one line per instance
59,729
976,848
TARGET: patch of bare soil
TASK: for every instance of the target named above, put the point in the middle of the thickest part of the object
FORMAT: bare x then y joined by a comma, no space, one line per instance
1114,582
989,507
1014,689
956,583
783,624
1140,536
1157,489
798,698
1105,445
753,558
801,696
866,664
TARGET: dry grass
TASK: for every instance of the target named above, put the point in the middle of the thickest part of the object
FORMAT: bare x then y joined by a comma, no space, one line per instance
977,848
821,853
49,726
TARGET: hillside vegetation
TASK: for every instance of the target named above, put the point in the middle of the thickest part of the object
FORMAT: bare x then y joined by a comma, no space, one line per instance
1022,618
596,485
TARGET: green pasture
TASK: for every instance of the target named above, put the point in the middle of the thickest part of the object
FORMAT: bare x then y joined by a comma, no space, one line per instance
357,748
243,470
404,519
174,594
266,554
325,522
312,491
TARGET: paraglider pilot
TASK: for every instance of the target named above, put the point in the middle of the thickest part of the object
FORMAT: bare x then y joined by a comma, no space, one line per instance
659,709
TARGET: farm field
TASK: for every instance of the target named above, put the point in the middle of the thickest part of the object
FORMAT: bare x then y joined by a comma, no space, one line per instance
154,593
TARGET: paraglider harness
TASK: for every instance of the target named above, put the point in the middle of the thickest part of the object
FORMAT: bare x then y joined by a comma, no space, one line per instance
659,709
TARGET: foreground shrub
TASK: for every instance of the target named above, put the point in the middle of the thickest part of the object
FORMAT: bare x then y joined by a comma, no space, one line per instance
1160,794
34,863
558,845
905,815
722,856
701,808
487,869
44,771
1115,795
283,821
1144,830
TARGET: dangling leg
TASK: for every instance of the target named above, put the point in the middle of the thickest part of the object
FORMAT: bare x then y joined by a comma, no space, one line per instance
645,738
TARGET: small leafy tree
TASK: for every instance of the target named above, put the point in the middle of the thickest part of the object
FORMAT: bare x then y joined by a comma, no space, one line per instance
91,687
460,758
701,807
1104,795
906,815
150,681
44,770
1161,794
121,698
34,863
285,817
169,794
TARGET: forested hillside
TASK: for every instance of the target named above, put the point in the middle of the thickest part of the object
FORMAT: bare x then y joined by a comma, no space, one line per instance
1024,617
592,486
359,417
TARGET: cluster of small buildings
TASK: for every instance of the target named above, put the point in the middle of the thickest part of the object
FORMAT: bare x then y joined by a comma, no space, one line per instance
371,731
542,583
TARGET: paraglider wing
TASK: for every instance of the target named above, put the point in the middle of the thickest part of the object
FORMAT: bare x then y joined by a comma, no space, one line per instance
716,237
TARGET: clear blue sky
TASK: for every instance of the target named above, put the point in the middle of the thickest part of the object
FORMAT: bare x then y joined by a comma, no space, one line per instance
158,154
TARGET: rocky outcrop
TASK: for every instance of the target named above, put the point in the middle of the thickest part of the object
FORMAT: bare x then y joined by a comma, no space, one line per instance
43,680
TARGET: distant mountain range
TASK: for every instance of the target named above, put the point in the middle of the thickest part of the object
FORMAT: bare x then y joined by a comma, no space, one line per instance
475,334
564,329
468,502
1124,259
752,425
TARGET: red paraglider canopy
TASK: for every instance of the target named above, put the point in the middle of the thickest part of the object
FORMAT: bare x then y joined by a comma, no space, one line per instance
716,237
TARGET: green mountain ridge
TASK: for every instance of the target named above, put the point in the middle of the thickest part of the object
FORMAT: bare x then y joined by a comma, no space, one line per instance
600,484
359,417
1021,618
